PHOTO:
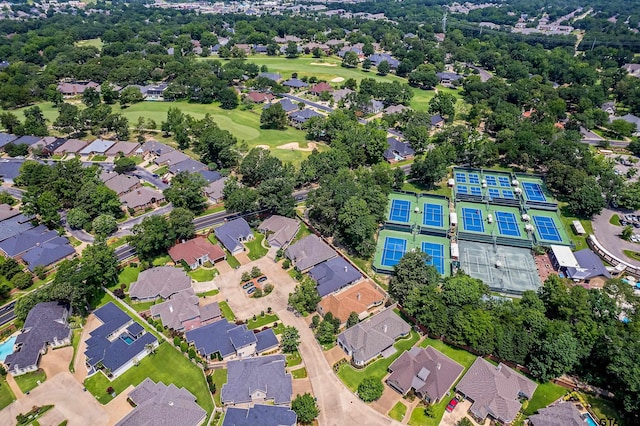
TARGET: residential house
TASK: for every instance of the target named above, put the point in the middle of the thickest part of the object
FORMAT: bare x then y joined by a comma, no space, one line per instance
357,49
6,138
260,415
495,391
141,198
46,326
7,212
122,148
319,88
74,89
295,83
259,97
426,371
232,234
374,107
48,253
12,222
99,146
257,380
629,118
309,47
118,343
609,108
156,92
246,48
159,282
10,169
283,49
182,311
363,298
298,118
308,252
230,340
18,244
260,48
196,252
26,140
377,59
153,148
47,145
121,184
341,94
398,151
287,39
437,121
273,76
157,404
189,165
171,157
214,191
333,275
448,78
210,175
71,146
632,69
560,414
287,106
373,337
279,230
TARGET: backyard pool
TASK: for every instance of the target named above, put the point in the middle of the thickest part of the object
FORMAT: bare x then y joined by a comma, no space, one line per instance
127,339
590,420
6,348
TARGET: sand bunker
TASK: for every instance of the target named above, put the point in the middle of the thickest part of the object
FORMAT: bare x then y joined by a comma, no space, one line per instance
296,146
337,80
263,146
324,64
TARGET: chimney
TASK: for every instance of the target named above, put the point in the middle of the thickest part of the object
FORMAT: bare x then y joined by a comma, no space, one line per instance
358,296
384,328
139,192
345,268
438,365
170,308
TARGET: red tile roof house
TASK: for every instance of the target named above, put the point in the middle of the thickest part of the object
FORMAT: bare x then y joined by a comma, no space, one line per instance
259,97
196,252
320,87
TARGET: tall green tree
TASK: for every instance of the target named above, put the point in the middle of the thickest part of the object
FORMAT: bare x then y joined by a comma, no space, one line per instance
186,191
306,408
412,272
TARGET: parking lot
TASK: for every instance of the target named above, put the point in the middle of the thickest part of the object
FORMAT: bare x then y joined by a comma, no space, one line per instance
632,220
626,166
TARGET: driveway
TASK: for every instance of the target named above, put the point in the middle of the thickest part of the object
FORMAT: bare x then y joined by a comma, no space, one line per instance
608,235
119,407
388,399
78,407
56,361
459,413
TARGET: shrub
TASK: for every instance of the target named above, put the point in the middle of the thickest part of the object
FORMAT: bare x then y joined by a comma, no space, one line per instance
176,341
119,293
255,272
258,293
159,328
246,276
370,389
109,390
286,264
22,280
184,346
268,288
192,353
40,271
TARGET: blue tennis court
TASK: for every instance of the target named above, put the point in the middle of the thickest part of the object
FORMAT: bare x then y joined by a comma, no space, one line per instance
394,249
474,178
547,228
462,189
533,191
472,219
504,181
491,180
461,177
506,193
400,210
433,215
507,224
475,190
494,193
436,254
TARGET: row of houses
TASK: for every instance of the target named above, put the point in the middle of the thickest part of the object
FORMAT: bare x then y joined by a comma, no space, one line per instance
151,92
51,145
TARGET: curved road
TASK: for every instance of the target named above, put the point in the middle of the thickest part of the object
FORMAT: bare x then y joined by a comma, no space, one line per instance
608,236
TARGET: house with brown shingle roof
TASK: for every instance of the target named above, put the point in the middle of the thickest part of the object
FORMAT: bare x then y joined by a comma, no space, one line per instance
72,146
561,414
122,184
363,298
279,230
427,371
320,87
182,311
122,148
159,282
259,97
196,252
141,198
495,391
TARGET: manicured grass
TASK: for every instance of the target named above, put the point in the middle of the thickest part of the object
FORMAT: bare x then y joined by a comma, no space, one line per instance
632,254
352,377
615,220
140,306
98,158
226,311
208,293
231,260
29,381
419,418
6,394
294,359
300,373
219,378
75,341
256,251
398,411
202,275
128,275
461,356
167,365
161,260
212,238
545,394
567,218
94,42
302,232
161,170
604,409
261,321
279,329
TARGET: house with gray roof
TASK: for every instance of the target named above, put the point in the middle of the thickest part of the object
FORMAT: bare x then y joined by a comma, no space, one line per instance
258,379
279,230
159,404
118,343
6,138
9,169
629,118
154,148
377,59
298,118
7,212
141,198
427,371
46,326
273,76
448,78
214,191
340,94
26,140
14,225
373,337
308,252
260,415
171,157
182,311
560,414
589,266
333,275
159,282
20,243
122,148
189,165
71,146
48,253
99,146
232,234
121,184
436,121
495,390
395,109
210,175
229,340
294,83
398,150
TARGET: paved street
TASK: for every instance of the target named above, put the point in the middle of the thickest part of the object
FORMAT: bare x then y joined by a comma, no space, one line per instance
608,235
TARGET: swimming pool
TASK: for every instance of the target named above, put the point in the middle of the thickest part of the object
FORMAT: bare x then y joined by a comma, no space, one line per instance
6,348
127,339
588,419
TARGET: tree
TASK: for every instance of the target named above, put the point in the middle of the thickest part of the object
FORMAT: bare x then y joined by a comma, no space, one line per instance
556,355
77,218
370,389
217,146
273,117
239,198
181,222
305,298
10,122
91,97
228,98
306,408
104,225
45,206
627,232
68,120
186,190
34,122
443,104
291,50
326,333
350,59
13,150
431,168
384,68
109,94
290,339
412,272
366,64
9,268
22,280
130,95
151,237
124,164
353,319
622,128
587,200
356,226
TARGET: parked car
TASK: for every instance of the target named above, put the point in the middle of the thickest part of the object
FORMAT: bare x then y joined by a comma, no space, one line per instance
247,285
251,290
262,279
452,404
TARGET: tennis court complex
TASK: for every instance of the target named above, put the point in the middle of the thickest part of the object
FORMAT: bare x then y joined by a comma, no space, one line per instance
505,269
393,250
546,228
421,210
472,219
436,255
400,207
507,224
392,245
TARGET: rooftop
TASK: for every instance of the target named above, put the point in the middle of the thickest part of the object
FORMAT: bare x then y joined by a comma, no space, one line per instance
141,197
192,250
333,274
260,415
357,298
266,375
98,146
161,281
231,232
220,337
280,230
309,251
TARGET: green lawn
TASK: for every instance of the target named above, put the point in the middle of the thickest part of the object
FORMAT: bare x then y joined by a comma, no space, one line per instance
167,365
256,251
128,275
75,341
226,311
202,275
462,357
208,293
604,409
615,220
261,321
6,395
544,395
398,411
161,260
212,238
94,42
567,218
352,377
231,260
294,359
29,381
302,232
300,373
219,378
